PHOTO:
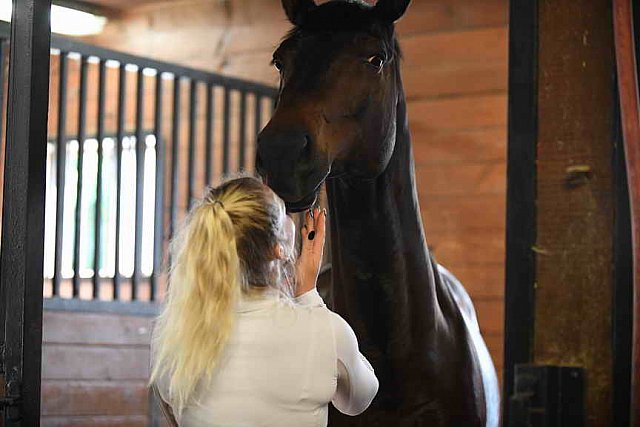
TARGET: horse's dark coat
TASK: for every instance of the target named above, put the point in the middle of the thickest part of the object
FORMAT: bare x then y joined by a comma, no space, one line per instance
341,118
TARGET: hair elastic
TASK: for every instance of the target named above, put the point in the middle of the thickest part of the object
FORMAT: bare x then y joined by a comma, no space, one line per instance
218,202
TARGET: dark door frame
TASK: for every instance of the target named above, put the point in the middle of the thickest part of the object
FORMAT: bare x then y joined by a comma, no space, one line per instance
521,190
21,255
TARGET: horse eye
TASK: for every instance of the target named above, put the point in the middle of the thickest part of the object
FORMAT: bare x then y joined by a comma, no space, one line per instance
376,61
278,64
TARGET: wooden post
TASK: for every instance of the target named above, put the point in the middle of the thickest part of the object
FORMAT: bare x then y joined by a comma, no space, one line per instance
575,195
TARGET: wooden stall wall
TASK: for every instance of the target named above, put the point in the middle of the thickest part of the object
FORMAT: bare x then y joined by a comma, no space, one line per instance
95,370
455,74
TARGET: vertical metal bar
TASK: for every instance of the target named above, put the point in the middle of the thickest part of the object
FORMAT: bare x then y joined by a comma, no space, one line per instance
82,109
61,163
158,234
193,120
242,152
98,212
141,146
22,253
521,191
208,154
257,119
226,126
3,56
175,155
3,52
122,105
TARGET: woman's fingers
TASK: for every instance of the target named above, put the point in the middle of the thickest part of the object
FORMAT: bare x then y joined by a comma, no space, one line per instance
320,227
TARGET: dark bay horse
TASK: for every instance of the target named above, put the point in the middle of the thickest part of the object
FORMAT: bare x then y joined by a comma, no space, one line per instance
341,118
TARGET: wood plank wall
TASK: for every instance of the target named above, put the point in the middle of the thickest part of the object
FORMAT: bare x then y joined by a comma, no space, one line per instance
95,370
455,74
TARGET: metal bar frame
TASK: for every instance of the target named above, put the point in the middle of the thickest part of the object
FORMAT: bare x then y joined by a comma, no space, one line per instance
226,130
141,146
521,190
175,156
158,233
242,141
82,103
70,45
22,252
102,82
193,122
120,131
208,150
61,169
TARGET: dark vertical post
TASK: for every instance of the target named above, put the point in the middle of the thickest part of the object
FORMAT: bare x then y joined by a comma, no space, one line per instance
3,52
3,101
175,155
61,162
193,120
82,109
226,126
122,104
22,253
140,152
257,120
158,234
521,190
258,113
208,154
242,153
102,81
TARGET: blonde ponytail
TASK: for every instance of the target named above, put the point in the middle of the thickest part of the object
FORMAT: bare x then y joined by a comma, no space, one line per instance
224,249
199,310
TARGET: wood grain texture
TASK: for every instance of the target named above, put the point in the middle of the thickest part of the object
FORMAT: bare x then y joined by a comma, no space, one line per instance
461,180
459,146
82,362
575,222
464,213
96,398
95,329
465,113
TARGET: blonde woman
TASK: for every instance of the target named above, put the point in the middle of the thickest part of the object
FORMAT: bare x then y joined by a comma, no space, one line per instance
244,338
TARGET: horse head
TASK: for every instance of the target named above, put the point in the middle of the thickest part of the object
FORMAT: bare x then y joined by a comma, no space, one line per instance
339,90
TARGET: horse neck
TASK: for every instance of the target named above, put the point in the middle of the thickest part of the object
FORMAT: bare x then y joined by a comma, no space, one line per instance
383,277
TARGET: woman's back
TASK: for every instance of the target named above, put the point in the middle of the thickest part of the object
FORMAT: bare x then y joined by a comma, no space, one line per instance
281,367
229,349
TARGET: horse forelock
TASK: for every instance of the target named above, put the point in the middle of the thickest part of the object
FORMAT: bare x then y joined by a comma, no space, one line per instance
346,16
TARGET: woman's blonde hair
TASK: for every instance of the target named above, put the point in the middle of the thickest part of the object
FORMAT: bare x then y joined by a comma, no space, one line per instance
225,248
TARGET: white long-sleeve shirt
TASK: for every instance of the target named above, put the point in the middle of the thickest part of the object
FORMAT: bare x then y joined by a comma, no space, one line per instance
283,364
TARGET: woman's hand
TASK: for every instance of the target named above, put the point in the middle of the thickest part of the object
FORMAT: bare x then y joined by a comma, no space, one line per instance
308,266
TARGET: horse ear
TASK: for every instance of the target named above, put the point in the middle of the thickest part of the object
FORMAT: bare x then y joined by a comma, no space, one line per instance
297,10
391,10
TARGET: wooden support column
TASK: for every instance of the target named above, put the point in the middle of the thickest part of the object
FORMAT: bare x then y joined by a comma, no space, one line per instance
574,277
